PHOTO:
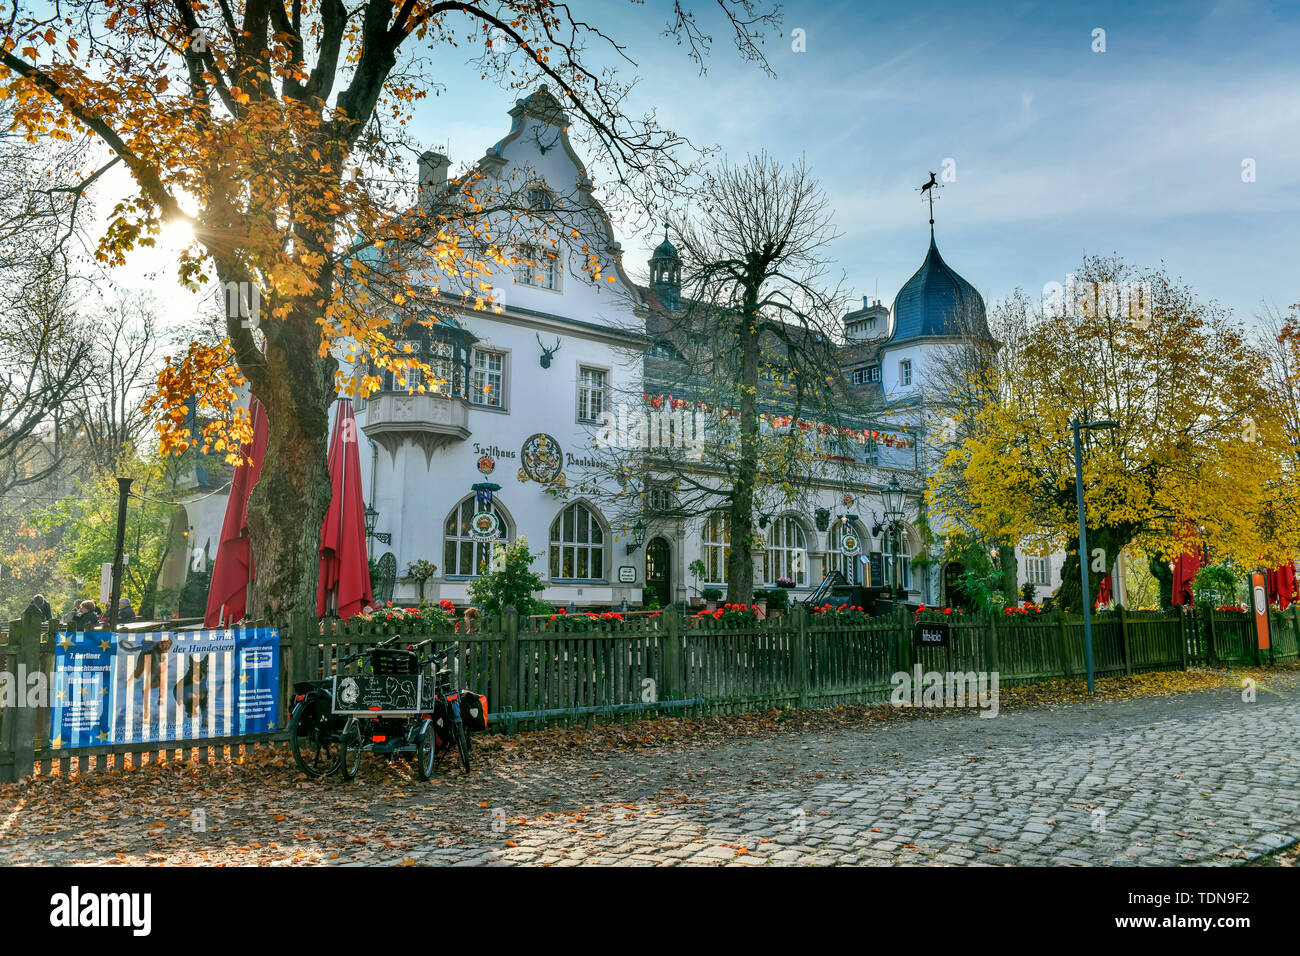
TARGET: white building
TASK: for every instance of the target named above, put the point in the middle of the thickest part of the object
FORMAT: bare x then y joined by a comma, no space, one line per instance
522,391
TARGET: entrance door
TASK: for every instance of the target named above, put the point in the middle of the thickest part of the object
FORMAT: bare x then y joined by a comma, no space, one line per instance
658,570
952,590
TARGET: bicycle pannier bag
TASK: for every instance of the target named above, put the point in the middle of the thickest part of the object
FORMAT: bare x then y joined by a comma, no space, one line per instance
473,710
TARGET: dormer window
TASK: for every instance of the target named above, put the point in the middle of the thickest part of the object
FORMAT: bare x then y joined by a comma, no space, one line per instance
540,198
866,375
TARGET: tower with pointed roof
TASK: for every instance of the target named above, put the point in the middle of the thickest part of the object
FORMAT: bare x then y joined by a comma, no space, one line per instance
934,309
666,273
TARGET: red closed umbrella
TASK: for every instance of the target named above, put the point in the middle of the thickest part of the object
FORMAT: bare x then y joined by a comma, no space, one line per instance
1282,585
1104,592
1185,568
232,570
344,571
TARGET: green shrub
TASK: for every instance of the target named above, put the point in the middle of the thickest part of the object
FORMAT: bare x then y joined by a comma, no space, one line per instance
1215,584
507,579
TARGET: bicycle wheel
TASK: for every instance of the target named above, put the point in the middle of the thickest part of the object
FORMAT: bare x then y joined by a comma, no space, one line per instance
462,741
315,750
425,748
351,748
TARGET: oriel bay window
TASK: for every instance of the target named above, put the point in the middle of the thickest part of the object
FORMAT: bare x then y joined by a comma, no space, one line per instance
444,348
577,545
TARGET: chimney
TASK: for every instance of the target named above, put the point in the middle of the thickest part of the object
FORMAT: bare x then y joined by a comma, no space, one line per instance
433,175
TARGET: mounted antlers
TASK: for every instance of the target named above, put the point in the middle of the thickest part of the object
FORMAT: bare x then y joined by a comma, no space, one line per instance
548,354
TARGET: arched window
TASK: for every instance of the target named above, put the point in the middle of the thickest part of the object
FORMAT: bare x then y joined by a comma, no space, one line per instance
577,545
848,564
896,543
716,542
786,554
464,554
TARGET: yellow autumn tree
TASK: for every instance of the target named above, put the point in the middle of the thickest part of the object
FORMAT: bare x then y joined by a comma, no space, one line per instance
280,133
1198,438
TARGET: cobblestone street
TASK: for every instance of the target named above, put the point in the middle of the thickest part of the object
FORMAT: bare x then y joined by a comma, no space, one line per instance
1195,778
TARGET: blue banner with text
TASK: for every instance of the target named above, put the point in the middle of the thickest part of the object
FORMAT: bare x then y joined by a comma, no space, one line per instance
146,688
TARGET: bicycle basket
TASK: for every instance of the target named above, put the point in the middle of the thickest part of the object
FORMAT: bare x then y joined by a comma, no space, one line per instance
385,661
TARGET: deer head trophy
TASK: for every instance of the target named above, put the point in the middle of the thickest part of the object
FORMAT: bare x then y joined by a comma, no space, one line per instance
548,354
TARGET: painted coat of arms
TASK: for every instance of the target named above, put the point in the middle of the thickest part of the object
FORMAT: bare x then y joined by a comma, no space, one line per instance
542,459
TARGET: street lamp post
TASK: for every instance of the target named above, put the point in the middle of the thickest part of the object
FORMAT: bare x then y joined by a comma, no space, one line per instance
1079,427
892,497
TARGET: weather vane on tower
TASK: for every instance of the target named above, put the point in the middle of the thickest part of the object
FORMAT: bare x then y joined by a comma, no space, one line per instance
927,192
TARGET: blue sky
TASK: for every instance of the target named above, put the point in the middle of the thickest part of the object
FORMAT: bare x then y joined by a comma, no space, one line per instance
1058,151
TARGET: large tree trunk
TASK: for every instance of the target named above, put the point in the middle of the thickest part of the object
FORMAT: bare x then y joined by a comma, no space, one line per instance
1164,576
293,492
1111,541
1010,578
740,565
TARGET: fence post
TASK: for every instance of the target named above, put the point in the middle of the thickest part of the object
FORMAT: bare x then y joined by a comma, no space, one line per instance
298,646
991,641
1295,628
673,686
8,726
1182,636
23,742
1062,650
905,655
800,637
1210,655
510,621
1123,639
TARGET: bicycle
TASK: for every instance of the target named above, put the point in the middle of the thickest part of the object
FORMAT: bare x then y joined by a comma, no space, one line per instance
315,731
446,700
399,729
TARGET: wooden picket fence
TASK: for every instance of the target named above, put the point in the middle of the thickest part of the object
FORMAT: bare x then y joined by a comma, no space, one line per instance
535,675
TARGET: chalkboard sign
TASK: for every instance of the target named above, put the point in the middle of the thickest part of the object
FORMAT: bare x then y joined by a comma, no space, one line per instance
876,565
371,694
931,634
